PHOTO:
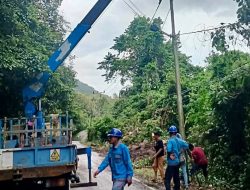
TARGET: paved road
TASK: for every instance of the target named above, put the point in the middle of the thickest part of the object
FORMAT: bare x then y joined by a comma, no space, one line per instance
104,178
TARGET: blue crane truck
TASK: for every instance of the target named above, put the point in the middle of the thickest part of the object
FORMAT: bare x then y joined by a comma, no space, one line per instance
36,152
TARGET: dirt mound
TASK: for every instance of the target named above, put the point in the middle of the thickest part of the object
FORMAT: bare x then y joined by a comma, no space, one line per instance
141,151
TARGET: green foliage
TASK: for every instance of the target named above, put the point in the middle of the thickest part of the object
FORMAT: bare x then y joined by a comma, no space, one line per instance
87,109
243,15
30,32
60,91
138,49
221,123
222,40
146,60
215,98
218,115
85,89
98,131
142,163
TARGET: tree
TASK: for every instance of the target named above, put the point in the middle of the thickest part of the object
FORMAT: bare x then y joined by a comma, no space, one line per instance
138,47
32,31
215,98
231,103
241,29
143,57
218,116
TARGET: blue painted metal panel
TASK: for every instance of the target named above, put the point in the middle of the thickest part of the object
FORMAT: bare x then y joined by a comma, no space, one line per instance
40,122
81,151
38,157
89,154
10,143
87,151
24,158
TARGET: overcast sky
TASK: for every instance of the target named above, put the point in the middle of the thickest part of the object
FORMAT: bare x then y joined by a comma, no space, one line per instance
190,15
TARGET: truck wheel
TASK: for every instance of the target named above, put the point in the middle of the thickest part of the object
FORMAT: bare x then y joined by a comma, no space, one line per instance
65,187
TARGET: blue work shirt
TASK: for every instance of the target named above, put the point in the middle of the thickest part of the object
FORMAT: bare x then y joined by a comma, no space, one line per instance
118,158
175,145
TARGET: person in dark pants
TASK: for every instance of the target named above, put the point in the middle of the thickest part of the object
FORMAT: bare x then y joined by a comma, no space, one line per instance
183,164
199,161
174,147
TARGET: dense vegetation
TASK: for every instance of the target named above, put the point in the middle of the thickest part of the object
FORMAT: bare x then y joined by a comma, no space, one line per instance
216,97
30,32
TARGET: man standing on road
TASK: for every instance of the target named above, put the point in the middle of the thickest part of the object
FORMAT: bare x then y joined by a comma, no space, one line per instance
199,161
174,147
158,157
118,158
183,164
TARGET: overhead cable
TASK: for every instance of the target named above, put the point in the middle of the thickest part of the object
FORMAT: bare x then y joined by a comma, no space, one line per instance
209,29
132,9
156,10
165,20
204,30
137,8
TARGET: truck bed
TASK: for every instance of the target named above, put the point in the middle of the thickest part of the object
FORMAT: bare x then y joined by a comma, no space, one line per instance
38,162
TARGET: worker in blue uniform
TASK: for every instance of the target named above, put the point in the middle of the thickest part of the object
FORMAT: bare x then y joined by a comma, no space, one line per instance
174,147
118,158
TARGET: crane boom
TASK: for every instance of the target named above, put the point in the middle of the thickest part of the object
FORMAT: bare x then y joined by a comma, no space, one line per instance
36,88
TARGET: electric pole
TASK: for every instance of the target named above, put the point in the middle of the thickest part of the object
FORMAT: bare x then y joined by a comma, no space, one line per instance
177,73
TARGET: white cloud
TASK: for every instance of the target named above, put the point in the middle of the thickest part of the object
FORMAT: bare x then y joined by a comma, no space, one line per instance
190,15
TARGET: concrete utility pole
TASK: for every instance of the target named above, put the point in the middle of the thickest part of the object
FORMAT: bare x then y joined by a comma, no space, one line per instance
177,74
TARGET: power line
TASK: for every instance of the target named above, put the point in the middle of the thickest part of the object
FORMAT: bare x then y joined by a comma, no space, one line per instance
204,30
165,20
132,9
137,8
209,29
156,10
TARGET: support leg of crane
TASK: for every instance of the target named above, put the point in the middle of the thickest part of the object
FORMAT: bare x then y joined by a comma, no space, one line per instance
75,185
89,154
87,151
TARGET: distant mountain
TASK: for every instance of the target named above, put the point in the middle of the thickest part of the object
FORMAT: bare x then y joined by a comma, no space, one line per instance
85,89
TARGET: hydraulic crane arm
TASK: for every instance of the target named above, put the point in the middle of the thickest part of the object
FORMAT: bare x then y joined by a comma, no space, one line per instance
36,88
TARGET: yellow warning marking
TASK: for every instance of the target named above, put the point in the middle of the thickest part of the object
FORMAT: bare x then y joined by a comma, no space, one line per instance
55,155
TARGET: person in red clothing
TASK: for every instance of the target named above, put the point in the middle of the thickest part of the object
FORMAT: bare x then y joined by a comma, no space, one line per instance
199,160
